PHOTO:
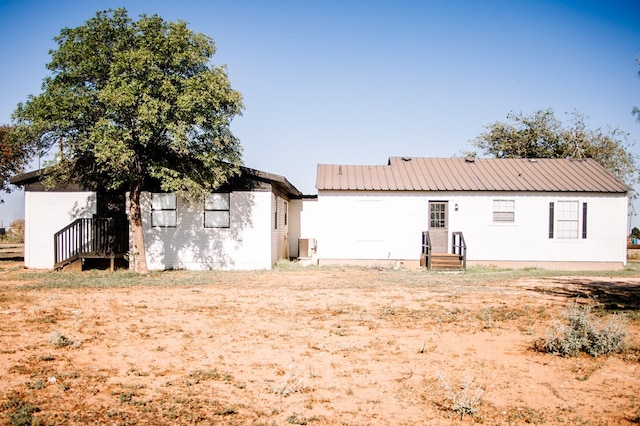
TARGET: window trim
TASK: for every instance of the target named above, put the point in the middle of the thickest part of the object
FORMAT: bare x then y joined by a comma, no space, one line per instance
581,220
172,207
212,208
504,206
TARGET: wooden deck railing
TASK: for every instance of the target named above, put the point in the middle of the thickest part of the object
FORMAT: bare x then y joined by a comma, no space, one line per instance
459,247
426,250
90,237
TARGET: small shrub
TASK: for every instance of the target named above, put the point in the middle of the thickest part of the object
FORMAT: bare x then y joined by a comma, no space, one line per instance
59,341
20,412
583,333
463,402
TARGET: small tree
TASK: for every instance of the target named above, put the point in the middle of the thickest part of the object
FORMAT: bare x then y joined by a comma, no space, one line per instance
541,135
132,102
14,155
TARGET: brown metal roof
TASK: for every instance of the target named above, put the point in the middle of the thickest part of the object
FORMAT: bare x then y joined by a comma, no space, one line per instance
480,174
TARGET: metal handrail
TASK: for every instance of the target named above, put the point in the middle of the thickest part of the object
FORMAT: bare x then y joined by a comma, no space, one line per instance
459,247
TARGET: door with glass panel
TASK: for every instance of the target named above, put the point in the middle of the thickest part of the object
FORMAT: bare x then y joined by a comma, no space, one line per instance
438,225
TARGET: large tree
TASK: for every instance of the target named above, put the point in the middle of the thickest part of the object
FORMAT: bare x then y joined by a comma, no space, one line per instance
132,102
14,156
542,135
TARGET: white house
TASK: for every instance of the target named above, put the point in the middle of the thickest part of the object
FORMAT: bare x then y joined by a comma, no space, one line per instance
549,213
243,226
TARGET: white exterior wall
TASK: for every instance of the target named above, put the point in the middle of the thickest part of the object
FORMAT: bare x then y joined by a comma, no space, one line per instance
373,225
388,225
527,239
245,245
47,213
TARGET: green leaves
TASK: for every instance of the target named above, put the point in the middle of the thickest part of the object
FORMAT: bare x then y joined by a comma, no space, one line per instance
134,100
541,135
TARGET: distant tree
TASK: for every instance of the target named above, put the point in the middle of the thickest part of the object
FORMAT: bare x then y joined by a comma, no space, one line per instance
542,135
635,232
132,102
14,155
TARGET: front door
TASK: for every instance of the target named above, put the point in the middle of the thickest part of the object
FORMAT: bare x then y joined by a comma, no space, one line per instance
438,225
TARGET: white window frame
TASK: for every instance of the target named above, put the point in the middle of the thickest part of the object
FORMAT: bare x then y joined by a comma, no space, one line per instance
217,210
164,210
504,211
567,220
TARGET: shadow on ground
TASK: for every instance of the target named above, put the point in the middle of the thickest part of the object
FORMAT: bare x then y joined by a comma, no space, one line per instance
613,295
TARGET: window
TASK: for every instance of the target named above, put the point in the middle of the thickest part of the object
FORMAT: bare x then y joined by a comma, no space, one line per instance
217,210
567,217
504,211
163,210
437,215
275,215
286,213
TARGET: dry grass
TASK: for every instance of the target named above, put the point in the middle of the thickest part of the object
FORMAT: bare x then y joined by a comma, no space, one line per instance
344,346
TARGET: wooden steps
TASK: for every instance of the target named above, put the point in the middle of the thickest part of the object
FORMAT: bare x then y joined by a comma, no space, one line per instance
446,262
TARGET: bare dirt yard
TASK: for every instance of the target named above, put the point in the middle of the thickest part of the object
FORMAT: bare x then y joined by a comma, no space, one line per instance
335,346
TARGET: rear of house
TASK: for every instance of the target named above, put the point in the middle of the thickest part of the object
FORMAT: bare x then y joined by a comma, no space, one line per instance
243,226
550,213
233,229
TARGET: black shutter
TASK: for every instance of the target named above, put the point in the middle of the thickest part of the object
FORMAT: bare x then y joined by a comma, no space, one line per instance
584,220
550,220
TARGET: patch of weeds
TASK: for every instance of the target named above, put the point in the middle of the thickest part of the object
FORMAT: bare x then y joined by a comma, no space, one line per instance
138,373
226,411
293,384
583,333
47,358
486,317
583,372
525,415
60,341
388,310
462,401
200,375
126,397
426,349
295,419
36,385
20,412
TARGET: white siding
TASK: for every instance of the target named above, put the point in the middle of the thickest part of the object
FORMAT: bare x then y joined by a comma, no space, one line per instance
47,213
527,239
245,245
369,225
388,225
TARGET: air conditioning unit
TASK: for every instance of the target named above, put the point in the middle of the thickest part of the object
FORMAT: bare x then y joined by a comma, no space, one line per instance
306,247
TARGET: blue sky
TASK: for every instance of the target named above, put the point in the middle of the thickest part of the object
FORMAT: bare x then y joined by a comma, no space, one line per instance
355,82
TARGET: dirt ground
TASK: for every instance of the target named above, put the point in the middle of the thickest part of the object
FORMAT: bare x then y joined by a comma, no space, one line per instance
320,347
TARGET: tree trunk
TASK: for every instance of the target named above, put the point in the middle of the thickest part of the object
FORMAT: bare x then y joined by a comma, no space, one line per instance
138,253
